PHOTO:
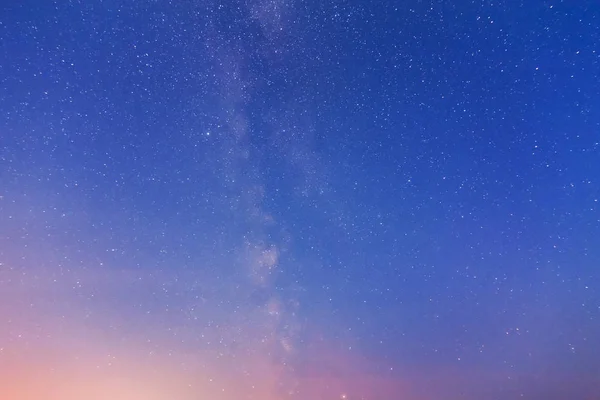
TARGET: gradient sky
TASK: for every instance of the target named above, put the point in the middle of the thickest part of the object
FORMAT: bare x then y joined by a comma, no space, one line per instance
279,199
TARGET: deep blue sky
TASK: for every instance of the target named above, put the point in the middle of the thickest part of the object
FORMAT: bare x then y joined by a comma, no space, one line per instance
393,192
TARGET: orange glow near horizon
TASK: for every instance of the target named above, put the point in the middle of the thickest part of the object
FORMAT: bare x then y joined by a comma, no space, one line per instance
50,348
56,346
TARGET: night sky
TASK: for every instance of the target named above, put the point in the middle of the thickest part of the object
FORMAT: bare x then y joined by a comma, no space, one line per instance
285,199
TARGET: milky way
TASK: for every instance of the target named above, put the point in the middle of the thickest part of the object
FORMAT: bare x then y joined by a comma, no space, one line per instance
272,199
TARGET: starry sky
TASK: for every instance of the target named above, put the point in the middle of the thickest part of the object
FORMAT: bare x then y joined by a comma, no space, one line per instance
286,199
